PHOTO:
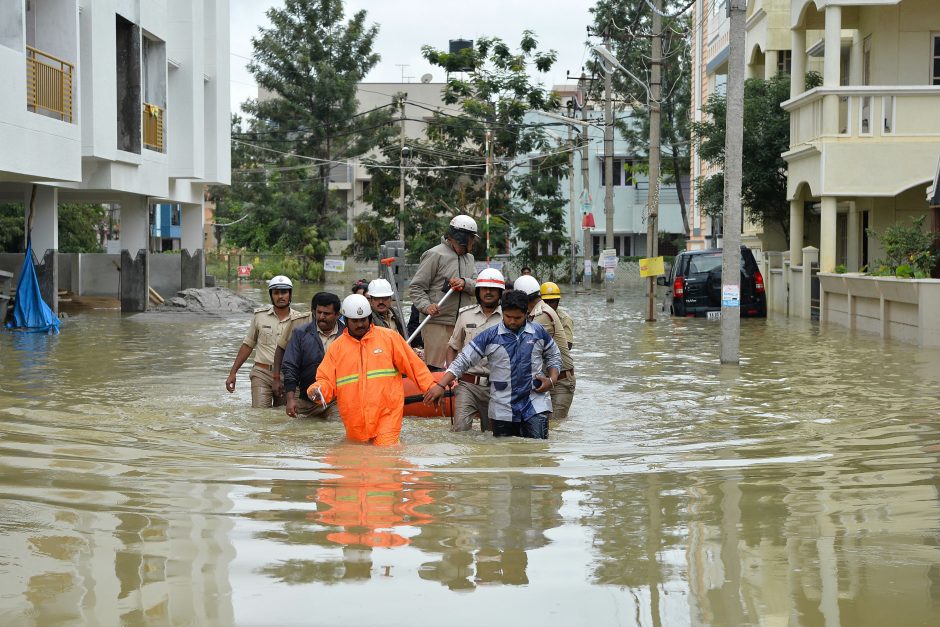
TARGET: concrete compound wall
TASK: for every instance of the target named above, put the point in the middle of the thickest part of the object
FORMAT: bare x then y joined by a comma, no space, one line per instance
165,274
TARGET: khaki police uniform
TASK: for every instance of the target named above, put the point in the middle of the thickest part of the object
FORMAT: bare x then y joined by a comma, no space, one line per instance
567,323
472,395
563,390
293,323
262,336
305,408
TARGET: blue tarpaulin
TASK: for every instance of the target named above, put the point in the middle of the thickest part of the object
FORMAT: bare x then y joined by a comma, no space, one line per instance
31,312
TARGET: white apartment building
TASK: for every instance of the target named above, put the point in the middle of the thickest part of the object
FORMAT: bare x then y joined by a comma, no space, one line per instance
114,101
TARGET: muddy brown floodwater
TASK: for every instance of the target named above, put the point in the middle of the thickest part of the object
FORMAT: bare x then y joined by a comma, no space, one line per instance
798,489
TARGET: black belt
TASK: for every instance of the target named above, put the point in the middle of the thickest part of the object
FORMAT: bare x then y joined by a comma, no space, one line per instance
476,379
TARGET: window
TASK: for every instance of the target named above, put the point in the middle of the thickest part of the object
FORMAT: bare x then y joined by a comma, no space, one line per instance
935,60
784,61
623,172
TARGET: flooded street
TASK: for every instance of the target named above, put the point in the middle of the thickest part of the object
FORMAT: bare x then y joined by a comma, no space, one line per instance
800,489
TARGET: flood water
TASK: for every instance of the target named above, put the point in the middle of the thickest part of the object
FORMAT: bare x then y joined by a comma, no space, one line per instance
798,489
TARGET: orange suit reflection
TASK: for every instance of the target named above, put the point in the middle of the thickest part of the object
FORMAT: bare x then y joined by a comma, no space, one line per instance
373,493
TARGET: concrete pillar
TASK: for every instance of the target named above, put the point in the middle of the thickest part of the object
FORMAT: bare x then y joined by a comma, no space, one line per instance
832,66
855,59
798,62
770,64
827,234
135,281
810,256
852,239
796,231
192,223
45,219
135,224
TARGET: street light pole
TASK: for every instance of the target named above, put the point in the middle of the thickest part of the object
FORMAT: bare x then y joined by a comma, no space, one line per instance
731,215
571,210
401,172
608,174
652,201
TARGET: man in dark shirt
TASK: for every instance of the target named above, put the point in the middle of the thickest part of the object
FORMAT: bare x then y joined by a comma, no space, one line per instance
305,351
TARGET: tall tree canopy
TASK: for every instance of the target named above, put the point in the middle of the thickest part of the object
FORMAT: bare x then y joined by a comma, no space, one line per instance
309,62
625,26
490,84
766,137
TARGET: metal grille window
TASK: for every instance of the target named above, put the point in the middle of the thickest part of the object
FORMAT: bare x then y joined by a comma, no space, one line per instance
935,59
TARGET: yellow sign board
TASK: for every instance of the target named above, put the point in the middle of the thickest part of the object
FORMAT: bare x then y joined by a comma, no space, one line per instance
652,266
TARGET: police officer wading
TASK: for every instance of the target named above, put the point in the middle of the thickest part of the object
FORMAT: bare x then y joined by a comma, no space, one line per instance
383,314
551,294
472,396
266,325
449,265
543,314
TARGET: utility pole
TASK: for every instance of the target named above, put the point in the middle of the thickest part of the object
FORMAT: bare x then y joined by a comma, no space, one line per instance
488,148
401,170
608,172
571,211
588,243
731,215
652,201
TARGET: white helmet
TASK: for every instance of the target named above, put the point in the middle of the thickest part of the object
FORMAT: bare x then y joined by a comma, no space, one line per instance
464,222
356,306
280,282
380,288
491,277
528,284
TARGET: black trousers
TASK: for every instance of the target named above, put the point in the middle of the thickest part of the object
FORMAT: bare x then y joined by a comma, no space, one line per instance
535,427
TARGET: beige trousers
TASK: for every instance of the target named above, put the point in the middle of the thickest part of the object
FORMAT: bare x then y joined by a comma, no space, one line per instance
262,389
471,400
436,337
562,396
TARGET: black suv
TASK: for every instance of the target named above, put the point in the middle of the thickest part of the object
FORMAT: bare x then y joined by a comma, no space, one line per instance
693,287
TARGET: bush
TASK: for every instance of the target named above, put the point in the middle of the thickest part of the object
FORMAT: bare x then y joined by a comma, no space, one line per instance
908,250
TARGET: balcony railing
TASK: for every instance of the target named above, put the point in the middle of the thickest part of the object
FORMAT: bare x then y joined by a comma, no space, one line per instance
153,127
48,84
866,112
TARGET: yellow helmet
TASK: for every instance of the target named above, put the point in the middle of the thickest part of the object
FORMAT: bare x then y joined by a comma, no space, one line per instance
550,291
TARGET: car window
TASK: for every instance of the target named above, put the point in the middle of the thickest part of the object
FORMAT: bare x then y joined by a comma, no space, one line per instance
704,263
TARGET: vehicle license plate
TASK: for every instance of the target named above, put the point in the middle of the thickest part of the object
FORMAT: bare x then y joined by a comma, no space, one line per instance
713,315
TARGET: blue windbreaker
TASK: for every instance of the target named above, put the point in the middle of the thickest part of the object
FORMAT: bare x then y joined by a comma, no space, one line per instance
514,360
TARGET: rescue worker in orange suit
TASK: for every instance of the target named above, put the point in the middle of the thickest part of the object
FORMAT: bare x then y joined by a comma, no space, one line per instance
362,369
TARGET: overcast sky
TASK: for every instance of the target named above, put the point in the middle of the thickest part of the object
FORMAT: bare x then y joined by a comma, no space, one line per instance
406,25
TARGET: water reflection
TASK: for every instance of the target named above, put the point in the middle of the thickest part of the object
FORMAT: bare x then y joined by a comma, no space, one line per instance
799,489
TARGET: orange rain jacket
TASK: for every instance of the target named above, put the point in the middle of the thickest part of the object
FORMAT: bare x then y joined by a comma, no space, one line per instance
365,377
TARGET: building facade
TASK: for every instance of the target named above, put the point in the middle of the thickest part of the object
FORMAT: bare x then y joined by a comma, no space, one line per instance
119,102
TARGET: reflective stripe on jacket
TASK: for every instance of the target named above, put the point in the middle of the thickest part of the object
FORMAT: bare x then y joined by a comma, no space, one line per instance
365,378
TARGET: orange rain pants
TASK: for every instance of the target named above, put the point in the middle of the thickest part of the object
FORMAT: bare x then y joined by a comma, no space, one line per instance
365,378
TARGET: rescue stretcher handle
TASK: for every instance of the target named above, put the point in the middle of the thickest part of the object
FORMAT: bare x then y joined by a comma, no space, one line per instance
426,318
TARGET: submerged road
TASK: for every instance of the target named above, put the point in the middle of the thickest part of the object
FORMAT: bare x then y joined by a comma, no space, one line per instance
800,488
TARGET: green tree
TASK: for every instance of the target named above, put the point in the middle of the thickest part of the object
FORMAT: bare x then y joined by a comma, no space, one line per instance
80,227
625,26
490,85
310,61
766,137
12,225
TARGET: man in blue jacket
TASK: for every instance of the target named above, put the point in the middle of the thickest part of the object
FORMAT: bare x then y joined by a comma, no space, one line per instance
524,363
305,351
